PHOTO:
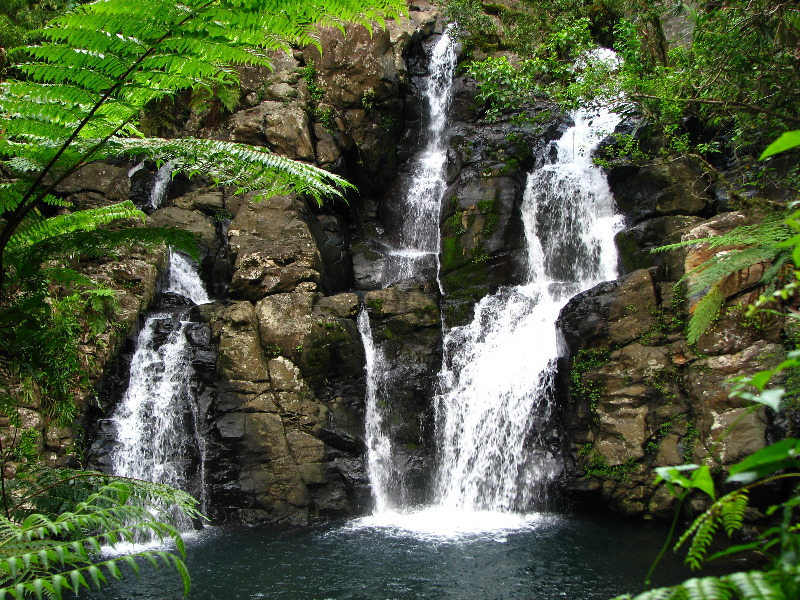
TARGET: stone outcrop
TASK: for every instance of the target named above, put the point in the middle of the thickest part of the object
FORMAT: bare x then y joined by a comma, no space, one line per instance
278,357
639,395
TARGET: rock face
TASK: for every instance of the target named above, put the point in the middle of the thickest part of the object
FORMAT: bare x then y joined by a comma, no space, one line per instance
639,396
278,359
278,355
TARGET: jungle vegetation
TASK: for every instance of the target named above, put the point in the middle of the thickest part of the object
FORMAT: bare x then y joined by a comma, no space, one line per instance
718,93
74,91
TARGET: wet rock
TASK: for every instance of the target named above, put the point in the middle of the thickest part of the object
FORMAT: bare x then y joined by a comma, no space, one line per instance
106,181
192,221
274,249
673,187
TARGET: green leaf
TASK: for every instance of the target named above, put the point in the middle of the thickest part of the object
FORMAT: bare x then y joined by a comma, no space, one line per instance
755,585
701,480
787,141
776,457
706,588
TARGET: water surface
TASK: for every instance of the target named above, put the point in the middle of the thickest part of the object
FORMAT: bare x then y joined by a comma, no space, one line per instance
542,557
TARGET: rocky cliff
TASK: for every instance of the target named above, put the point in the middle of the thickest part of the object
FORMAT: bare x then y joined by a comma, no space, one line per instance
278,358
638,395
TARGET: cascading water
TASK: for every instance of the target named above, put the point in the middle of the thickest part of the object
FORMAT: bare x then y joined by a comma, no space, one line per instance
417,245
380,467
160,185
497,444
156,421
415,252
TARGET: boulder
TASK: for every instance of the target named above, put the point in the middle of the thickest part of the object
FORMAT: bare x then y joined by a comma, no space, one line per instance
274,249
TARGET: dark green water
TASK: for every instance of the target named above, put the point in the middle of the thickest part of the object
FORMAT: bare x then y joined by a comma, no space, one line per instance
563,557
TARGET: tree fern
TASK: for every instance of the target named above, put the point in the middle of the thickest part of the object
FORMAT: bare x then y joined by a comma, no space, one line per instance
738,249
79,93
55,523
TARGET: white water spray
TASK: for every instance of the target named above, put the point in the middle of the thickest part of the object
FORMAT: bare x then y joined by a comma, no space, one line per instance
156,421
380,468
416,252
498,447
182,279
417,247
160,185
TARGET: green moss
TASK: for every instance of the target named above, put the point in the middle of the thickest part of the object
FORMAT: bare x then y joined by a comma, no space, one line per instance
452,254
456,222
588,392
489,209
599,467
692,433
375,305
631,255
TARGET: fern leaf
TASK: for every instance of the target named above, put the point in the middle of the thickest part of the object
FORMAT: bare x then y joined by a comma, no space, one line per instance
705,312
754,585
732,511
706,588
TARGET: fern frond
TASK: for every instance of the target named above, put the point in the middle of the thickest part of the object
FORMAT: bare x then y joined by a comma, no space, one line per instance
732,510
705,312
53,552
706,588
727,263
740,248
701,532
772,230
231,164
754,585
81,220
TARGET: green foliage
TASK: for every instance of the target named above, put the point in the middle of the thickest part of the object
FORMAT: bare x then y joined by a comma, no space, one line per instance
779,543
309,74
742,247
736,75
55,522
505,87
598,467
787,141
368,99
473,26
76,97
19,17
582,389
78,94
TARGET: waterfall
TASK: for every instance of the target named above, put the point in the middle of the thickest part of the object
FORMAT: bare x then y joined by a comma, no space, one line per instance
380,468
160,185
182,279
416,252
417,246
156,421
498,447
